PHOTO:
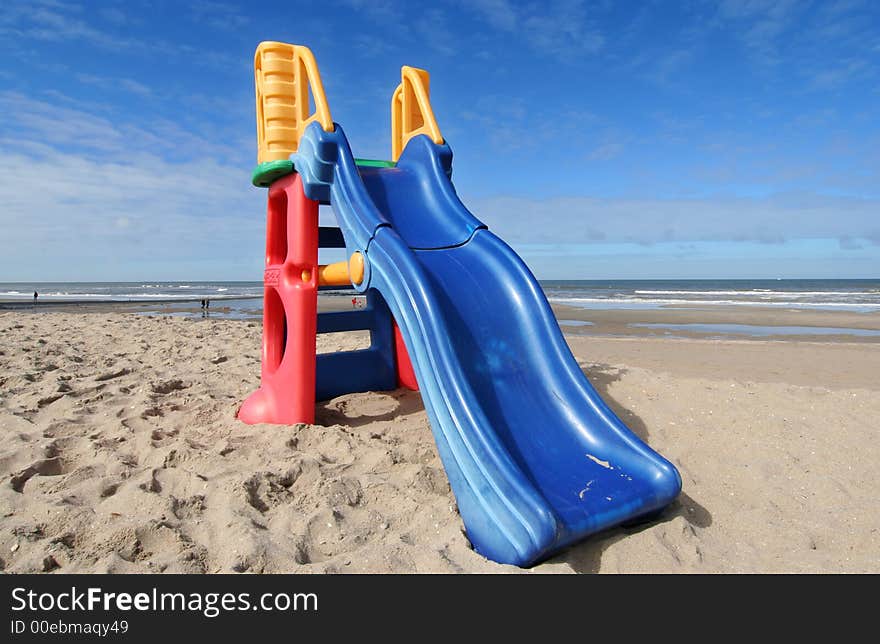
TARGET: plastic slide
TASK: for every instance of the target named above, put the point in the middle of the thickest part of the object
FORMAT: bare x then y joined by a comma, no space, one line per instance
535,457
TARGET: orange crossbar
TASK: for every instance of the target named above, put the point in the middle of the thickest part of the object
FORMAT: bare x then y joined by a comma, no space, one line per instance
342,273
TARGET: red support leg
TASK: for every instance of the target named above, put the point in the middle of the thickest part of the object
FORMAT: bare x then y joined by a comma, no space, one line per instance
290,310
406,376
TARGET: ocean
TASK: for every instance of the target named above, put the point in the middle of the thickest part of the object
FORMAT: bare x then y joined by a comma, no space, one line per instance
128,291
862,295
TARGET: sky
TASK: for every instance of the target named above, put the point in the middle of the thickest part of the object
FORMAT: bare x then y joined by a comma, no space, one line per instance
601,140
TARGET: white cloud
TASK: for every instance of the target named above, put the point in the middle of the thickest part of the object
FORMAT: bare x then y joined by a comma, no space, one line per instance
82,193
77,125
67,217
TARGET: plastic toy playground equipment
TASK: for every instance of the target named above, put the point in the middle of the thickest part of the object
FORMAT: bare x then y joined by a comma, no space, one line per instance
535,457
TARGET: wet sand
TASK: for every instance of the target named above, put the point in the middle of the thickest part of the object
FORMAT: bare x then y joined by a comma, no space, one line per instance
618,321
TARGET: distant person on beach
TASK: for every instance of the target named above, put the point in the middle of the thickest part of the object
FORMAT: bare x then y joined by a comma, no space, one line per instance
36,295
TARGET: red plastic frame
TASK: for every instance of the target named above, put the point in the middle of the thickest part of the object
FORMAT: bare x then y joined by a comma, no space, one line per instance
406,377
290,309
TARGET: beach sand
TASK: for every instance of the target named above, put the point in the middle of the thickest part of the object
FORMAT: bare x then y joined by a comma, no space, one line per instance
120,452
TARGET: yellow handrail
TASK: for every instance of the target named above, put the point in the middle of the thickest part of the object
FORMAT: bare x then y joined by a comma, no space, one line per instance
283,74
411,112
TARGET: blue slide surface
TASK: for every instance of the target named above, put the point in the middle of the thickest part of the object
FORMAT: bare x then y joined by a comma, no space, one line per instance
535,457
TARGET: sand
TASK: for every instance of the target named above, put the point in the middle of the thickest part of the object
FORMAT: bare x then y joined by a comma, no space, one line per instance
120,452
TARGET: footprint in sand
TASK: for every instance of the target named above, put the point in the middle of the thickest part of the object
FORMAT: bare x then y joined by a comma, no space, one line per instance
110,375
48,400
54,466
190,508
167,386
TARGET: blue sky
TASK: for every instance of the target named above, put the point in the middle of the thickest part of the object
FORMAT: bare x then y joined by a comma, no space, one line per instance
600,139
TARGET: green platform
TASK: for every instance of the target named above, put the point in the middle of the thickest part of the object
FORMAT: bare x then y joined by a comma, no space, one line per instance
268,171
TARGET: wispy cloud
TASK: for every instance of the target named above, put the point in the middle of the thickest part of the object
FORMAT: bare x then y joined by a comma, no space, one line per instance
116,16
88,132
435,29
110,83
772,219
370,46
826,44
500,14
55,22
509,124
52,21
387,12
606,151
770,19
844,71
220,15
562,29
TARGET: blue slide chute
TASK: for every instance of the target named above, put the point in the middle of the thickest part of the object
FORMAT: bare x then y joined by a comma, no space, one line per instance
535,457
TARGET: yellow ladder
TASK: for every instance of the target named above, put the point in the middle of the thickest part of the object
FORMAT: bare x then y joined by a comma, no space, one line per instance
283,74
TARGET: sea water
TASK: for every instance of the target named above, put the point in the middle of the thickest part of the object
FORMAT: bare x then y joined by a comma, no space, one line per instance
838,295
243,298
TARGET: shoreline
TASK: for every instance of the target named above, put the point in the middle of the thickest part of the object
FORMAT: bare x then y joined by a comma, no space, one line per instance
14,305
694,322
